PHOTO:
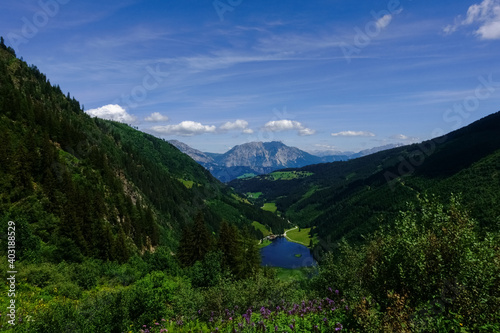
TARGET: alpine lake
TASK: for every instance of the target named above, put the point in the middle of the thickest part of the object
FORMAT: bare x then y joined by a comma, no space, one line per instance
286,254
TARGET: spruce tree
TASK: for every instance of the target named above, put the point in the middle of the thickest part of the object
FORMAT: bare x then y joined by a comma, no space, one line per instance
185,250
195,242
249,260
2,43
229,242
202,238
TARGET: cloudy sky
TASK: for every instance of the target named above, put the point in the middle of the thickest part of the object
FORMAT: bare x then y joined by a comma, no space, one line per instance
318,74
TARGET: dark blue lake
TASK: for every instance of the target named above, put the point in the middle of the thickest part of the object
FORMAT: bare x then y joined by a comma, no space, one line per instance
281,253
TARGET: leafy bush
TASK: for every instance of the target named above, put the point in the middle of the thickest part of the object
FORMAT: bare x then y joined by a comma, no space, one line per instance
430,271
87,273
40,275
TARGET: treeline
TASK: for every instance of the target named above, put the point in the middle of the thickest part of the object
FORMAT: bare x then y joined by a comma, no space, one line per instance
231,252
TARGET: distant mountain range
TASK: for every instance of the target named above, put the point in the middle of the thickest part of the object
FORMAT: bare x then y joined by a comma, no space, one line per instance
263,157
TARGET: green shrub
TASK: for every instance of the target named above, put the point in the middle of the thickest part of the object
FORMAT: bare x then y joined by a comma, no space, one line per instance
64,289
40,275
430,271
59,316
87,273
146,300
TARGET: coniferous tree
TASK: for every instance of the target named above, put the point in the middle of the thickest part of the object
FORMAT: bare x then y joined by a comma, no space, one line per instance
185,250
120,247
249,261
151,227
195,242
202,241
229,242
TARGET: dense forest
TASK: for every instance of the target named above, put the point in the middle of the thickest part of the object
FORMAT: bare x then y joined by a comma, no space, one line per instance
118,231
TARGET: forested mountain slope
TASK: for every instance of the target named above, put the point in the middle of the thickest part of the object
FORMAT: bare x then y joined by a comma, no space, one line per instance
78,186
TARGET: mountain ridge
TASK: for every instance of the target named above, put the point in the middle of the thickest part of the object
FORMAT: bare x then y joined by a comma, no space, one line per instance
262,157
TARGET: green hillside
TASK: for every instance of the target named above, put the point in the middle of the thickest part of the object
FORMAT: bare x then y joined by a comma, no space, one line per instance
92,187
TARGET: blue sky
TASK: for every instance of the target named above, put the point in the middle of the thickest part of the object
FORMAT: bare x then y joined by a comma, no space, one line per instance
318,75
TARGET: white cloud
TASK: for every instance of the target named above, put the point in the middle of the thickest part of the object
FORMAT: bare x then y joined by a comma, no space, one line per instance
490,30
400,137
384,21
185,128
353,133
156,117
485,14
239,124
112,112
451,28
282,125
404,138
328,147
287,125
306,132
